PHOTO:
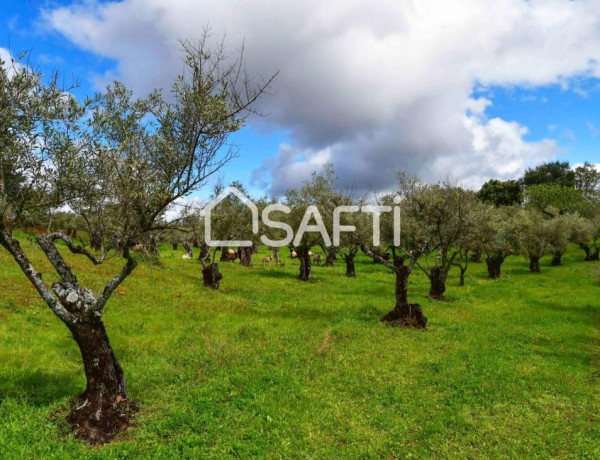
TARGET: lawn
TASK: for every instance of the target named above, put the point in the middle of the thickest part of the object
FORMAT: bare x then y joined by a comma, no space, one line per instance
271,367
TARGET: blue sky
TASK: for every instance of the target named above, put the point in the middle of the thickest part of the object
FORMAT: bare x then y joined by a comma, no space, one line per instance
317,124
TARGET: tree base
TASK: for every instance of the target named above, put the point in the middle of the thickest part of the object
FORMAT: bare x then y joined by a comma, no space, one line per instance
99,425
409,316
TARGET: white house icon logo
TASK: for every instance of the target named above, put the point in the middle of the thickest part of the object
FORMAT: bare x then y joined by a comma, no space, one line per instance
206,212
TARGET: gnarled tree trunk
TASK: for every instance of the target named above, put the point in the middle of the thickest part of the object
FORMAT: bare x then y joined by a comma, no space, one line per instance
494,264
211,276
534,264
305,263
437,280
102,410
405,314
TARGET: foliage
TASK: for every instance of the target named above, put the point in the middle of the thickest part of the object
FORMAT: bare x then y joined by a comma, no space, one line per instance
501,193
552,173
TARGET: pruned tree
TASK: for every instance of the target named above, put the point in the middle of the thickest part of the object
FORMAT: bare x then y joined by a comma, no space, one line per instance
119,163
444,213
559,231
585,233
495,238
314,202
531,232
404,256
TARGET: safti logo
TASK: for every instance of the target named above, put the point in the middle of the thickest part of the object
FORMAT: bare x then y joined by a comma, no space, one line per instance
311,213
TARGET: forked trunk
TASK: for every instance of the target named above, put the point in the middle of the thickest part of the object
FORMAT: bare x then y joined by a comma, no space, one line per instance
211,276
595,254
409,315
437,280
103,409
350,268
305,264
534,264
476,256
494,264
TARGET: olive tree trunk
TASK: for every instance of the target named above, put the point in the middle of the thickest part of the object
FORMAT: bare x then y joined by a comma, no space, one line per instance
211,276
534,264
437,281
350,268
556,258
404,314
305,263
103,409
494,264
246,256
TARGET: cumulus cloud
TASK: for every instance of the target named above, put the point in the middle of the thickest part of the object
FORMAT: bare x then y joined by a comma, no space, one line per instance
370,86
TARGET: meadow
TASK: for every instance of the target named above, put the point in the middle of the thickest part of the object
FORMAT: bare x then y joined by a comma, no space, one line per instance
272,367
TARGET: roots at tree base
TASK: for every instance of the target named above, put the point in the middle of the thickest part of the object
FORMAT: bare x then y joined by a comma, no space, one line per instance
407,316
103,410
99,423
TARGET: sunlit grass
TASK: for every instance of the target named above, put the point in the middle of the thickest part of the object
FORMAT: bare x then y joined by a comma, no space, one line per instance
272,367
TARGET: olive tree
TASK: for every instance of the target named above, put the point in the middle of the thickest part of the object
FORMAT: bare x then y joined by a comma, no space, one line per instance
531,232
119,163
402,239
314,202
495,237
444,215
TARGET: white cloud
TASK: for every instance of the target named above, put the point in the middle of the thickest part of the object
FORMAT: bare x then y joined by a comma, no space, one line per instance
594,131
371,86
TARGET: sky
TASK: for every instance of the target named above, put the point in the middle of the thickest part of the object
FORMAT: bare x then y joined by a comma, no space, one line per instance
468,89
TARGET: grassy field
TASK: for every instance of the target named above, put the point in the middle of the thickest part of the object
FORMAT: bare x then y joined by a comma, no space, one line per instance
271,367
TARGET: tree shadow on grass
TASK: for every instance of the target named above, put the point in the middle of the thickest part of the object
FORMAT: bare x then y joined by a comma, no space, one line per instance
39,388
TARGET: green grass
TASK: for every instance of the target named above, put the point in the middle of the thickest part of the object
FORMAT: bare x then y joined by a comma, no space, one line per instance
271,367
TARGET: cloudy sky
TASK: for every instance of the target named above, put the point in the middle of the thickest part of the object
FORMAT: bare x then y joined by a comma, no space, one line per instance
471,89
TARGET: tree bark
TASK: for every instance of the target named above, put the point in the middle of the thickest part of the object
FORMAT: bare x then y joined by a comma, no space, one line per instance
276,255
461,282
211,276
102,410
405,314
476,256
305,263
437,280
175,246
494,264
534,264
